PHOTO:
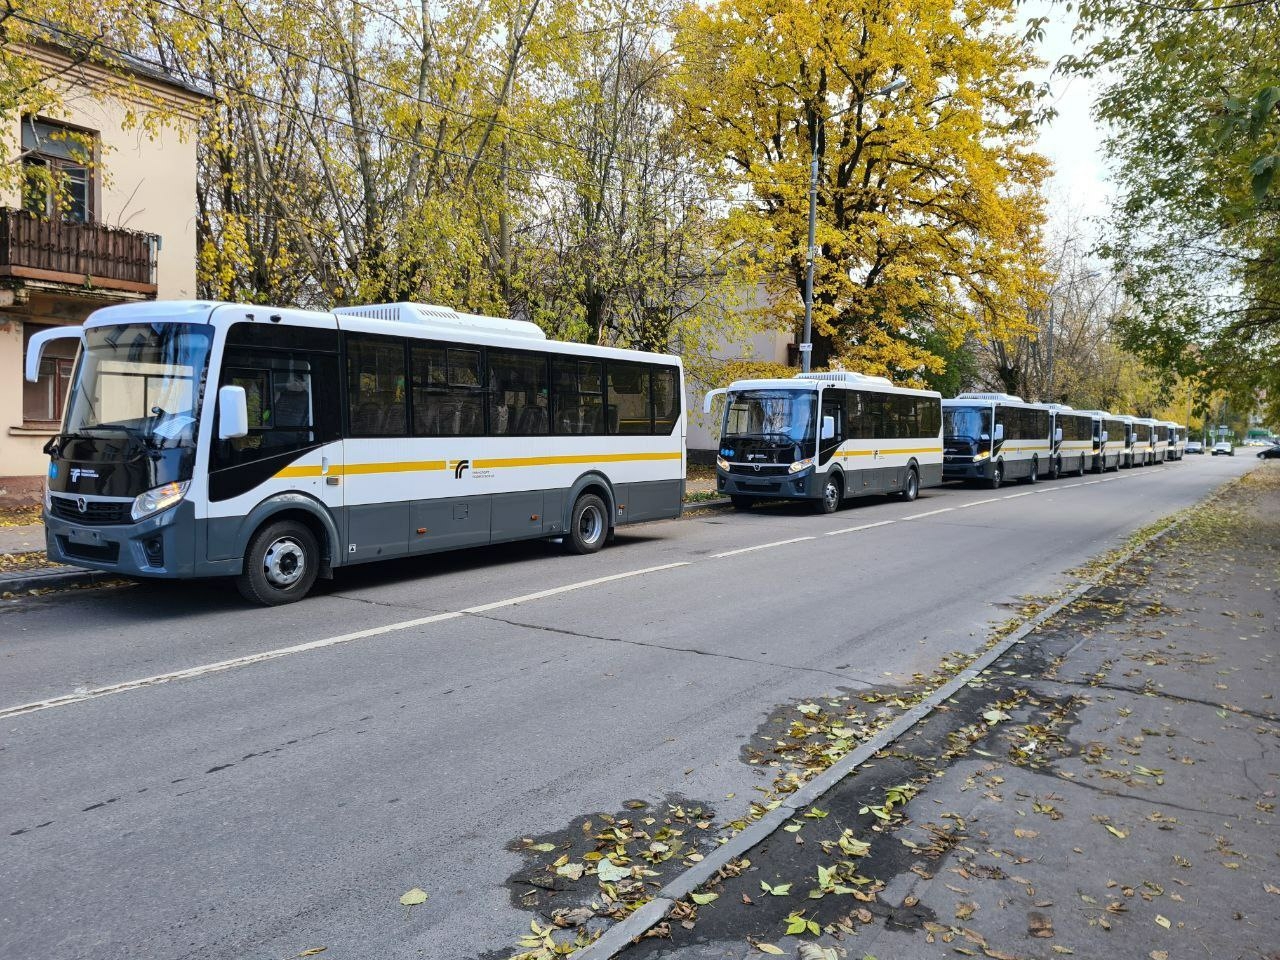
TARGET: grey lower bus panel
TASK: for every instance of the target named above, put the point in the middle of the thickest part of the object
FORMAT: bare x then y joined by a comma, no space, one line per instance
174,544
808,486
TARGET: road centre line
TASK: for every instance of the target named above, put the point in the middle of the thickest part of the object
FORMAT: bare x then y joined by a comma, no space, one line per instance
917,516
975,503
865,526
759,546
267,655
1015,496
1090,483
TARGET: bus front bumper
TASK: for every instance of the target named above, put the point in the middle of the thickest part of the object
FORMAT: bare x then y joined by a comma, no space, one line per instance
782,486
966,469
162,545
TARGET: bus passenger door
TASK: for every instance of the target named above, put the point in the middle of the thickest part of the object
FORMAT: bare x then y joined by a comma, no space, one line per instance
293,444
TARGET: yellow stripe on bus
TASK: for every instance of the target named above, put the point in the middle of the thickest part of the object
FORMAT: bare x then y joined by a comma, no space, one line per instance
411,466
564,460
885,453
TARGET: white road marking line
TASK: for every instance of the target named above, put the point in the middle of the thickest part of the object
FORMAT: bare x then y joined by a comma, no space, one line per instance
268,655
759,546
931,513
1070,485
1090,483
568,587
865,526
1014,496
975,503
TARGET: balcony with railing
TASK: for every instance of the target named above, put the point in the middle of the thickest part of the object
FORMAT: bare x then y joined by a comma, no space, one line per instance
87,256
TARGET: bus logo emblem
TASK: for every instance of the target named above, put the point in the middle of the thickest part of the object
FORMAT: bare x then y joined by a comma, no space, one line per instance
461,465
82,504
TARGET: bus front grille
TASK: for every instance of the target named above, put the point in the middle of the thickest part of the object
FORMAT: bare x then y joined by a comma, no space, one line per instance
96,511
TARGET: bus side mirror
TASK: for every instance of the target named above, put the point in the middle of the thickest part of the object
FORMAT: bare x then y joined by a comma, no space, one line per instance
999,431
233,413
828,428
35,347
710,398
1057,435
1104,436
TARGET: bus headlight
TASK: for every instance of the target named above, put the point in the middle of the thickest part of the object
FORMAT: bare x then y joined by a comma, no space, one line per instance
161,498
722,463
800,465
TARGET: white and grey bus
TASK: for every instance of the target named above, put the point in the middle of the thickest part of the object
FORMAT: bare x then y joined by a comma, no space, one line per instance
273,445
1144,441
825,437
994,437
1130,453
1108,433
1072,432
1177,439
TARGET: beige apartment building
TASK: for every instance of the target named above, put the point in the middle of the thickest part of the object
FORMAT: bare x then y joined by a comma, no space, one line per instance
119,226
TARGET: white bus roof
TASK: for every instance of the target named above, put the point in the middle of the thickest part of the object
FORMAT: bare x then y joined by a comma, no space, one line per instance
401,320
989,399
816,381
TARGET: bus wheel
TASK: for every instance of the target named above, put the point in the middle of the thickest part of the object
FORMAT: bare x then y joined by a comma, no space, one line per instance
280,565
1035,471
588,525
741,503
832,494
910,489
997,475
1055,468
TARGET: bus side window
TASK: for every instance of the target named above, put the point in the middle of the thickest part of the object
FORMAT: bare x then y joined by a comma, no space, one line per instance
376,395
629,398
666,399
577,395
518,393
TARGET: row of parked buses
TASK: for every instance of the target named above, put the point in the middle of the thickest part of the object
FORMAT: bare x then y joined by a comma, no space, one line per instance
828,436
276,445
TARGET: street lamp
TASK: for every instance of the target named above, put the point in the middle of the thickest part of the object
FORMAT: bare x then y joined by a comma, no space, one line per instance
806,347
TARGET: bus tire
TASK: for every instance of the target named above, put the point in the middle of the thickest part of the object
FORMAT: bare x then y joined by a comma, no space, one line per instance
588,525
911,488
997,475
1055,468
832,493
280,565
1034,476
741,503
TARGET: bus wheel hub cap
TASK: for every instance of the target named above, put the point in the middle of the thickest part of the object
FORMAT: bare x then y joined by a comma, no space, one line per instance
284,563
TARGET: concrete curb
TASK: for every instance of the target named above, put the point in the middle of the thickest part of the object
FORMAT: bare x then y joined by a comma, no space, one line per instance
52,578
618,937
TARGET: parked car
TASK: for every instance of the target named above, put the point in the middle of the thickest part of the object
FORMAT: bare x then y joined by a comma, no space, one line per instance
1194,446
1224,448
1270,453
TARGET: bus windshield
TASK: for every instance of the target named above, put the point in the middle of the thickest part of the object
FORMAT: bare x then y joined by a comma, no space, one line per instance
140,380
781,416
968,423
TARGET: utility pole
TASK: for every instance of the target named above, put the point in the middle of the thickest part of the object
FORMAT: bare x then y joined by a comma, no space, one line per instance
819,129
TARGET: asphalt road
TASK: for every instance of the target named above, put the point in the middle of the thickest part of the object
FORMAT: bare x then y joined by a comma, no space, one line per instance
286,800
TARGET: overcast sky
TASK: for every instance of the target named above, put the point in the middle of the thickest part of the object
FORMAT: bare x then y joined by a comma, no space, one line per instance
1072,141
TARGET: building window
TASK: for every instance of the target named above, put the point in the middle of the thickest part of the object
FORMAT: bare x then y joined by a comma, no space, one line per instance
42,401
57,164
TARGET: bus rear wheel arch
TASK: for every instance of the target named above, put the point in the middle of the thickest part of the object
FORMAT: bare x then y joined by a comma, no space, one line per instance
281,564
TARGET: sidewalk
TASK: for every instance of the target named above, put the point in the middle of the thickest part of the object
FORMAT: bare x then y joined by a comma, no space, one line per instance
22,539
1107,790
